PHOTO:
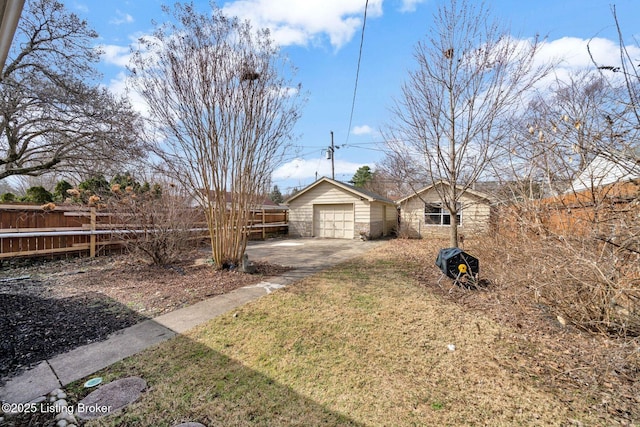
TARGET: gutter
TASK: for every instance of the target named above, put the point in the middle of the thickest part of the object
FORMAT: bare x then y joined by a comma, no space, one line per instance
10,11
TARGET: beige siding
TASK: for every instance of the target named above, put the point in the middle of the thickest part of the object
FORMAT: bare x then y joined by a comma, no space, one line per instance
474,219
301,208
377,220
384,218
391,219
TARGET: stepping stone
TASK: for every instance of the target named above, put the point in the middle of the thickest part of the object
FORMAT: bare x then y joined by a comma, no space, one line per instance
110,397
189,425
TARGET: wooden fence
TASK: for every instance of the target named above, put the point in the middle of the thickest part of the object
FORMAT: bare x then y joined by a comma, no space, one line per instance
599,211
31,231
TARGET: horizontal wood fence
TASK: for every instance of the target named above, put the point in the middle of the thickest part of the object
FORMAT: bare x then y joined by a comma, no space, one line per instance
602,211
34,231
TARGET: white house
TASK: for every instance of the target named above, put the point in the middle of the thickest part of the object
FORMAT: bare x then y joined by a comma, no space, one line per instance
333,209
605,170
423,215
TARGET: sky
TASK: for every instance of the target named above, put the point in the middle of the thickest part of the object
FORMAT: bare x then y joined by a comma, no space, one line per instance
323,37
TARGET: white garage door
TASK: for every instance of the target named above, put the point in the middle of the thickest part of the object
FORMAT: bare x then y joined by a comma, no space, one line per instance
333,221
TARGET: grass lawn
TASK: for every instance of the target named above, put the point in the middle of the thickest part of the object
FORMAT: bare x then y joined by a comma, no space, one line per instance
361,344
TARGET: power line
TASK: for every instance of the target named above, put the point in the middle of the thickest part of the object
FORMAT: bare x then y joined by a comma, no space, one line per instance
355,88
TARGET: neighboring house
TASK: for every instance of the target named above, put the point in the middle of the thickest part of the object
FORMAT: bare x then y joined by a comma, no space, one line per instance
603,171
422,213
333,209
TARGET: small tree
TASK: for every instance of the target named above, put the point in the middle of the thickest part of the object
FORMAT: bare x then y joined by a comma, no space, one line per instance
38,194
362,177
125,181
221,99
60,190
276,195
158,223
8,197
96,185
469,81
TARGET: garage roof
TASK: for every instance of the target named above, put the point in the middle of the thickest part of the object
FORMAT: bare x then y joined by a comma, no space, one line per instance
358,192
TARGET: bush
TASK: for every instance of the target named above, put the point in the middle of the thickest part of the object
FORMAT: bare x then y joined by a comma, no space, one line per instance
60,190
8,197
95,185
588,280
37,194
161,220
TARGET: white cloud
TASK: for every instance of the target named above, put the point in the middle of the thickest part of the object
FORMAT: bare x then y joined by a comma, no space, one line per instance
121,18
304,169
296,22
116,55
573,53
410,5
82,8
118,86
362,130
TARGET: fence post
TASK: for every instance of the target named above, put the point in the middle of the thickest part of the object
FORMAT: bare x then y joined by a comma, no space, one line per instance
264,230
92,238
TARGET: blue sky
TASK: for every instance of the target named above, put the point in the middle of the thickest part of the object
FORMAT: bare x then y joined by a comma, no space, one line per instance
322,38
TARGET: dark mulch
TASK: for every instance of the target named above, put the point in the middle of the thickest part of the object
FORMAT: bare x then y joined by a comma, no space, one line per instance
52,307
37,326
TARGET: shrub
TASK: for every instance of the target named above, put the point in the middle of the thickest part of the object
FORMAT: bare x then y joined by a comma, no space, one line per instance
95,185
60,190
159,223
8,197
37,194
590,278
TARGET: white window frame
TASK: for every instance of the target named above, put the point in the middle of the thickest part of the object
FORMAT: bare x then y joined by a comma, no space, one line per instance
436,214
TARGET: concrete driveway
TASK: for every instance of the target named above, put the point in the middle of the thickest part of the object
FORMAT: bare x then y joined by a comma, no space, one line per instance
308,255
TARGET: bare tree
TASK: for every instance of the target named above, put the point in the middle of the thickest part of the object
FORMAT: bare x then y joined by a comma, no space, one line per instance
469,81
628,72
51,119
223,108
564,128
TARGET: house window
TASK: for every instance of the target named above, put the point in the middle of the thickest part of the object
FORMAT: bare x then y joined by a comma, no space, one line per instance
436,214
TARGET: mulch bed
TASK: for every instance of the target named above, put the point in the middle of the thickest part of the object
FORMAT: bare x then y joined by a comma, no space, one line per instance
51,307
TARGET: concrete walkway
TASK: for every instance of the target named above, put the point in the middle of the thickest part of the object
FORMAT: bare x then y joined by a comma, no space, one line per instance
306,256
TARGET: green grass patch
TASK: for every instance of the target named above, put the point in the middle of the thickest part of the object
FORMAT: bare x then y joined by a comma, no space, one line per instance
360,344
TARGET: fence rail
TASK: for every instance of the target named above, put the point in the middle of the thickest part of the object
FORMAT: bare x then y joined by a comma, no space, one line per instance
31,231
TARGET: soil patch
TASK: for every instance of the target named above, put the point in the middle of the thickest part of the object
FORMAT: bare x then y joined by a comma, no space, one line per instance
51,307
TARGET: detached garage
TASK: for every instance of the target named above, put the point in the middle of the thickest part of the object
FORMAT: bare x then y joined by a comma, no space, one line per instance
335,210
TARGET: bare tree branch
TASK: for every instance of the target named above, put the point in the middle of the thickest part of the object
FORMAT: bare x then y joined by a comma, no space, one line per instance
223,109
469,82
50,118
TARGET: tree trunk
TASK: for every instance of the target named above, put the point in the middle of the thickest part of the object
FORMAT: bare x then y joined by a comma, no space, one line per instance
453,232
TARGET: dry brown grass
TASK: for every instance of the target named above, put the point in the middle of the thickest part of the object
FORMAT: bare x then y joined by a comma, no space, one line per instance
367,343
547,295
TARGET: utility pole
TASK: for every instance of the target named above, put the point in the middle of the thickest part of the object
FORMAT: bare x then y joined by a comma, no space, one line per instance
330,155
